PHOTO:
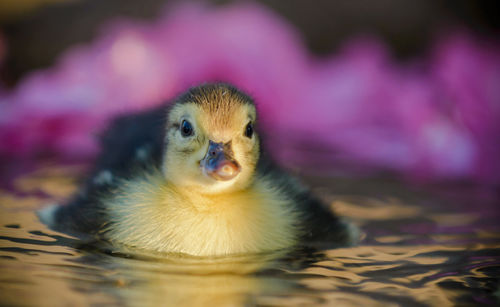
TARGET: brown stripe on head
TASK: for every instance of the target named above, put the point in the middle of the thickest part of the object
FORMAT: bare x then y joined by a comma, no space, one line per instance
221,103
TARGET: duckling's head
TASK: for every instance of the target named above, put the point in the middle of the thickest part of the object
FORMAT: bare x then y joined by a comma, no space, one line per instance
211,143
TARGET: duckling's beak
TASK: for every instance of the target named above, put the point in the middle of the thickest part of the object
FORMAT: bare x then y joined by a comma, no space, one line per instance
219,162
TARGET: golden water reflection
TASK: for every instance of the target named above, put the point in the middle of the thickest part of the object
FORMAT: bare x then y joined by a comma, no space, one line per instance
414,253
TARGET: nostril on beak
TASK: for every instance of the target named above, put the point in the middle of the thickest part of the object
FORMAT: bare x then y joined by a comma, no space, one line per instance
214,149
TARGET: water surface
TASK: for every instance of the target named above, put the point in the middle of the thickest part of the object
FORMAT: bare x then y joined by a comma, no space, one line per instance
432,246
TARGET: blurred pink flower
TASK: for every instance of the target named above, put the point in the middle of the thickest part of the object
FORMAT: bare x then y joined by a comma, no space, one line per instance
436,117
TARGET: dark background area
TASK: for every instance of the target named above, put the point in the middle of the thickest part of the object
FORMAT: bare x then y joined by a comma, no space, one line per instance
37,34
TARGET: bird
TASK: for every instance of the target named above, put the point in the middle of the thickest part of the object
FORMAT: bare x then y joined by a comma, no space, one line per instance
193,177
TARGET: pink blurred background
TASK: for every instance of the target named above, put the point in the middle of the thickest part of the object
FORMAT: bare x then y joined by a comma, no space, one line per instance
433,116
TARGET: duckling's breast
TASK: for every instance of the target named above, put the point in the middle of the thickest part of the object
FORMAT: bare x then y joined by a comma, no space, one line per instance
149,213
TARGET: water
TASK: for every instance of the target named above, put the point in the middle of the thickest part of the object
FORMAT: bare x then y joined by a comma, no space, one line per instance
437,246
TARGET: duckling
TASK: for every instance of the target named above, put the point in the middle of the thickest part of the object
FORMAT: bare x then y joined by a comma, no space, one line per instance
192,177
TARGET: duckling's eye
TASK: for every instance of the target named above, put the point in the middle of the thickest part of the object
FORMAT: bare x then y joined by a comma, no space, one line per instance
249,130
186,128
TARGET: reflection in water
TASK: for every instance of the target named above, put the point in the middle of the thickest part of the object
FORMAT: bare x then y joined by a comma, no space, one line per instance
417,251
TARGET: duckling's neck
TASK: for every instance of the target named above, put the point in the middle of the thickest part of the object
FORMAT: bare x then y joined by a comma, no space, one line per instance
199,196
212,198
153,213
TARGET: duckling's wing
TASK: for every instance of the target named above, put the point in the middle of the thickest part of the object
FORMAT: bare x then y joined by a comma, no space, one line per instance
322,227
132,144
